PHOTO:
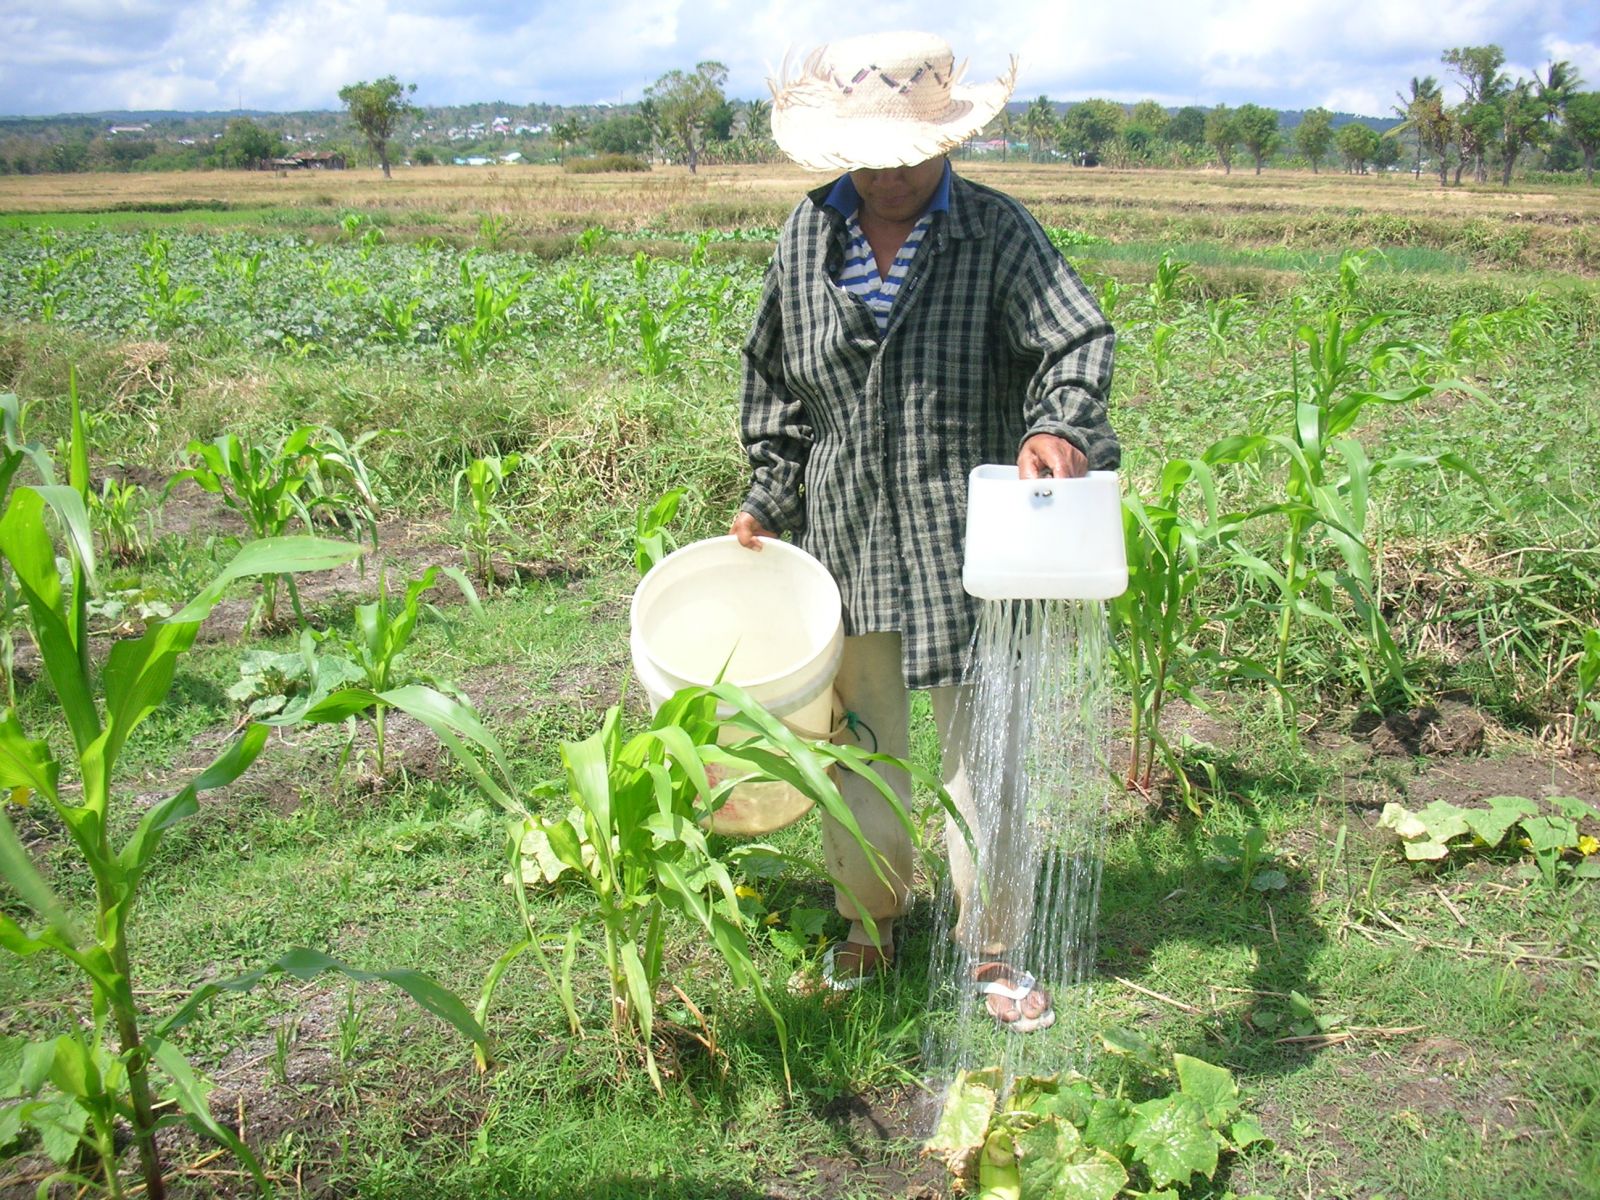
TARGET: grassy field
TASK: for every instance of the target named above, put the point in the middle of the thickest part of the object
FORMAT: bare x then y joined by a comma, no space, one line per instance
1411,1031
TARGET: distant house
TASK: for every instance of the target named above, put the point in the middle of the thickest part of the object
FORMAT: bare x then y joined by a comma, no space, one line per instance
116,129
514,156
319,160
304,160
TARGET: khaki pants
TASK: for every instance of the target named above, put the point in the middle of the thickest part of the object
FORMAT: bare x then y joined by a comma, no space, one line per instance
871,684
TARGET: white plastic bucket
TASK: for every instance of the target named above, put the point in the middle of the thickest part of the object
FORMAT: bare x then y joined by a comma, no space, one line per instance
769,621
1044,539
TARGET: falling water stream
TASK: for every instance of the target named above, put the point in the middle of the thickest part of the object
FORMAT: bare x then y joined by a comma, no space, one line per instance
1037,769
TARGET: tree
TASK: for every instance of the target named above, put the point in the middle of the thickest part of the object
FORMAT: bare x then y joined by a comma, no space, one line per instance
1557,87
1583,127
376,108
1258,130
1088,126
1222,135
1521,125
1039,125
566,133
1412,110
719,121
620,133
245,143
1314,136
684,102
1475,127
1357,145
758,118
1478,71
1386,153
1151,116
1188,125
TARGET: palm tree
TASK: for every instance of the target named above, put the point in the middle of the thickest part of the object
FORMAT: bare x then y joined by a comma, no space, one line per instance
1412,111
758,118
565,134
1559,84
1039,125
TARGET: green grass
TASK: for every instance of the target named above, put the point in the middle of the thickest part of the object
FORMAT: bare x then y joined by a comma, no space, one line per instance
1408,260
187,218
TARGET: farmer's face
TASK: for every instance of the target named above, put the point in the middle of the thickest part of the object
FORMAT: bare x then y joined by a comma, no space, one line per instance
898,193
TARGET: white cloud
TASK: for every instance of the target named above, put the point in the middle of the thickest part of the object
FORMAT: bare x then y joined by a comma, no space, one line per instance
81,55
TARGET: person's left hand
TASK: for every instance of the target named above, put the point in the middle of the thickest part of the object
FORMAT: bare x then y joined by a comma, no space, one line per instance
1045,455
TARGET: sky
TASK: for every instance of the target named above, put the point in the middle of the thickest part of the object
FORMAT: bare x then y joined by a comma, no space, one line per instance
66,56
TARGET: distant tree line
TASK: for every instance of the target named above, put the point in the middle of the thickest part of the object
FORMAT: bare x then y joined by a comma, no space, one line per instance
1499,122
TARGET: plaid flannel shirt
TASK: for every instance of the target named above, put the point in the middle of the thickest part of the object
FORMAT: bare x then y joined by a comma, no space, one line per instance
860,445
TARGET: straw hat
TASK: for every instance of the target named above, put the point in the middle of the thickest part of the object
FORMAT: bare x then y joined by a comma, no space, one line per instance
881,100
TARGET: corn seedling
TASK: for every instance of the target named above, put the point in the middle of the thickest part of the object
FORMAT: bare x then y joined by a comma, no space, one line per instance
1327,490
165,303
1586,707
382,634
493,303
266,486
492,231
121,511
484,480
633,838
49,276
338,483
650,536
112,1074
1172,278
1157,617
399,319
589,240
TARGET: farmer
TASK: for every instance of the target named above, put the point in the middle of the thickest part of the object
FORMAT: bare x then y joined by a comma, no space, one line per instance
912,325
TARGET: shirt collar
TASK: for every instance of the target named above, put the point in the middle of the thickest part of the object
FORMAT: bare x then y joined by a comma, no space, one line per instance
845,200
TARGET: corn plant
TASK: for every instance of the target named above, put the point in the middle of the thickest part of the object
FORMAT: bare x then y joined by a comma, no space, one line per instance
121,510
1220,316
492,231
381,635
89,1083
589,240
338,483
650,536
1170,556
48,277
268,487
484,480
659,349
493,303
634,841
1327,488
1172,279
1586,707
165,303
399,319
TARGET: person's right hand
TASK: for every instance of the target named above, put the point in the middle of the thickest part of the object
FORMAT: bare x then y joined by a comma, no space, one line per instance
749,530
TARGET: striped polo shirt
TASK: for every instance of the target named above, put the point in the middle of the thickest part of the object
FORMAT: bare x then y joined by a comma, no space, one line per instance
859,273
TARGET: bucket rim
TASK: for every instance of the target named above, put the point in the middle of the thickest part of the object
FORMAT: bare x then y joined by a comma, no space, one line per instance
810,562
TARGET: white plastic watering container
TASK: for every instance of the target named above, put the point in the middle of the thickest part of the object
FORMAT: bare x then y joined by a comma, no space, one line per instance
1044,539
770,621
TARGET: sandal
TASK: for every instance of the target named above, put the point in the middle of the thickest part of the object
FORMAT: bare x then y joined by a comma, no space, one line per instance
996,977
840,981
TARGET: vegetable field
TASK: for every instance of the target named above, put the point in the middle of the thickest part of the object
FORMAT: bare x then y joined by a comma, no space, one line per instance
342,857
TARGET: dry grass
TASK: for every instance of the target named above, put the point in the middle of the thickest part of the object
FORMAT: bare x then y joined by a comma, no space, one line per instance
557,201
